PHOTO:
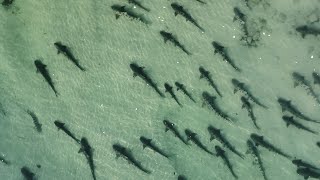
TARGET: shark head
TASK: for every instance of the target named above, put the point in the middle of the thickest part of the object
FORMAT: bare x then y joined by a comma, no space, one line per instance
59,124
38,63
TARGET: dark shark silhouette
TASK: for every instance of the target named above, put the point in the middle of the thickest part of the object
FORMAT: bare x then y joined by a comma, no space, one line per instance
42,68
35,119
300,163
184,90
206,74
240,86
307,30
27,173
67,52
167,36
259,140
169,89
7,3
193,137
147,143
221,153
179,9
299,79
246,104
87,150
220,49
139,71
126,154
252,149
286,105
172,127
308,172
61,125
215,133
211,103
123,10
289,120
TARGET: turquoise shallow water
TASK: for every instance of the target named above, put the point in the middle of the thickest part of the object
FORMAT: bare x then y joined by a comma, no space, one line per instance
107,105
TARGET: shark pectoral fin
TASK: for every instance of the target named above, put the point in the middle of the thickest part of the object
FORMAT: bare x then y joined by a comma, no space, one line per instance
212,138
201,76
283,109
295,84
117,16
203,104
235,90
288,124
242,106
135,74
175,13
144,146
167,129
80,150
306,177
